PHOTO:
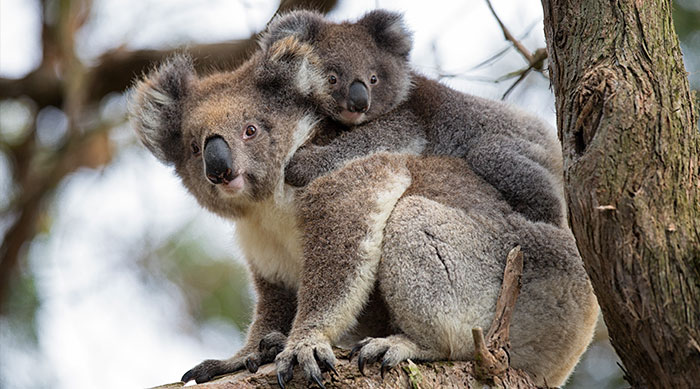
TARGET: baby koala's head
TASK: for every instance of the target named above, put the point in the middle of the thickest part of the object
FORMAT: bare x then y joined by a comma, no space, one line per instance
229,135
365,63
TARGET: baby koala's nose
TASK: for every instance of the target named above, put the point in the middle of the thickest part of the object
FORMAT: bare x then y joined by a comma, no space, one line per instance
218,165
358,97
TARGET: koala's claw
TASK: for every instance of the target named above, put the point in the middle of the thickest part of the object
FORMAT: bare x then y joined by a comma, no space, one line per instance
313,356
357,348
205,371
385,367
284,376
361,364
371,350
325,364
251,364
318,380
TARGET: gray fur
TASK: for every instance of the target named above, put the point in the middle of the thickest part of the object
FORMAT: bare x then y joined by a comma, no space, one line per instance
404,249
515,152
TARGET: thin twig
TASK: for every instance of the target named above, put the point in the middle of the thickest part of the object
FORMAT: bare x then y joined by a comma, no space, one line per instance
506,33
491,354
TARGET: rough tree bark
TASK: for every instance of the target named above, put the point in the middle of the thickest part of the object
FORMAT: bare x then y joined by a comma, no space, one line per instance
631,144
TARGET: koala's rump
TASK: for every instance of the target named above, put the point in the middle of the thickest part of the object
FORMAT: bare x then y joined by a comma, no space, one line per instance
443,256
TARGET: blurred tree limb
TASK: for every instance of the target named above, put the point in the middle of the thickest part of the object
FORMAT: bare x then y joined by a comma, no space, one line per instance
61,80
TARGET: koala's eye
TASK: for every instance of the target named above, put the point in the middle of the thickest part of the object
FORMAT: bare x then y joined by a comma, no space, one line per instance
195,148
250,131
332,79
373,79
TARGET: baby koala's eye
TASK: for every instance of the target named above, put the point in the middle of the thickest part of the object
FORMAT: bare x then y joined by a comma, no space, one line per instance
250,131
373,79
332,79
195,148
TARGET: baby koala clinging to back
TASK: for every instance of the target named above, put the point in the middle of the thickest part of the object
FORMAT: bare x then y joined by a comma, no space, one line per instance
371,88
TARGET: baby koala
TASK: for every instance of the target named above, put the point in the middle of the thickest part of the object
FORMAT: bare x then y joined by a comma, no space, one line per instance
402,254
370,88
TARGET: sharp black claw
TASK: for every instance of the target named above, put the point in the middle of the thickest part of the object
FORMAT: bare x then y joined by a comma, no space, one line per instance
284,376
385,367
361,364
318,381
251,365
187,377
280,380
354,351
332,368
325,364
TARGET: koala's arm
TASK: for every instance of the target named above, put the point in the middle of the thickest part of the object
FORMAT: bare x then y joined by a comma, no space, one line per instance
274,313
312,161
343,215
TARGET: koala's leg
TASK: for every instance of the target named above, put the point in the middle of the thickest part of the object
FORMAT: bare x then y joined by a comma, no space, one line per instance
556,312
266,336
343,216
440,276
512,167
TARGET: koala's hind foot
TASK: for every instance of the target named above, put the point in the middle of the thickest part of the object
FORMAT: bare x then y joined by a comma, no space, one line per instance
392,350
268,348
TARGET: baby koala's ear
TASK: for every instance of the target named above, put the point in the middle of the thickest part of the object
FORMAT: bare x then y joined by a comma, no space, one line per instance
290,66
389,31
302,24
155,106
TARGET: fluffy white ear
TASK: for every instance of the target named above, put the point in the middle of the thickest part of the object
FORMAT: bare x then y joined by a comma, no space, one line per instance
155,106
290,66
389,31
302,24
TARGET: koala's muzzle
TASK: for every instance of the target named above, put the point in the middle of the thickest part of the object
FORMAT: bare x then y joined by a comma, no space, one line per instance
358,97
218,164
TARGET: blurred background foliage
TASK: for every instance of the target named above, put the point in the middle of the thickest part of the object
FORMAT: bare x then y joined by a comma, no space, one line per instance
109,272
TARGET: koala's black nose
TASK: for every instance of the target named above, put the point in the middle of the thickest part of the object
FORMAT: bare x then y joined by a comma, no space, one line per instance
358,97
217,160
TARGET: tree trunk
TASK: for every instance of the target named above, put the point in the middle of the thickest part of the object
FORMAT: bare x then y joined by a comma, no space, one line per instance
631,144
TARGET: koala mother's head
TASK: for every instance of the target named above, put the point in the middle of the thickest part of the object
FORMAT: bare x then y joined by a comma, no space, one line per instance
230,134
366,64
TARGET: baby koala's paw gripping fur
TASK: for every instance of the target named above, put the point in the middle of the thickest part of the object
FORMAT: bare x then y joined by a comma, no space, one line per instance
268,348
312,353
306,165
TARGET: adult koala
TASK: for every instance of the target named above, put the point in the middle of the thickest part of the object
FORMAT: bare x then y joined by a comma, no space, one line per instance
401,253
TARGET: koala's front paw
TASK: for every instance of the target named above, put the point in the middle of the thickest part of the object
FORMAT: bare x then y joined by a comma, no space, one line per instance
209,369
310,353
304,167
268,348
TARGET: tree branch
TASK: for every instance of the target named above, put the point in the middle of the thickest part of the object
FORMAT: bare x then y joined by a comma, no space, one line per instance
116,69
506,33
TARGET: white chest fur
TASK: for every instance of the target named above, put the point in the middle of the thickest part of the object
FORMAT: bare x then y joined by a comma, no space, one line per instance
271,241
